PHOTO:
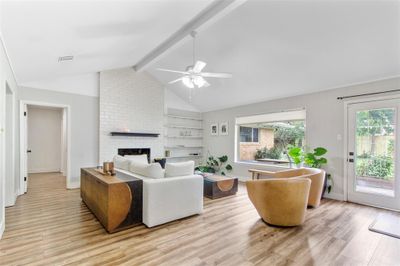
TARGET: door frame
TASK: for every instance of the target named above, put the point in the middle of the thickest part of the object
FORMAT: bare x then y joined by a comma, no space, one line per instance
10,202
346,135
23,134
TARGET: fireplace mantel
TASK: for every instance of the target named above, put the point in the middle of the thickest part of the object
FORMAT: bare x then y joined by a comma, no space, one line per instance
135,134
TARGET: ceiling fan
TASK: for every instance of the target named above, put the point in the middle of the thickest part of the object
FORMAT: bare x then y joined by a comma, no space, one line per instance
193,76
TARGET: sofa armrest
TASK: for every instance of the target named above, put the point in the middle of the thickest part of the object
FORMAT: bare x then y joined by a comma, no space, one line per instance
171,198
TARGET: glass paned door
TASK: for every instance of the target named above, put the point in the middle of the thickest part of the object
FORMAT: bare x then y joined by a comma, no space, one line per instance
372,153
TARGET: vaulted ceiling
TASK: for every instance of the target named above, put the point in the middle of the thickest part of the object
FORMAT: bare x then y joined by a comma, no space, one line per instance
283,48
100,34
273,49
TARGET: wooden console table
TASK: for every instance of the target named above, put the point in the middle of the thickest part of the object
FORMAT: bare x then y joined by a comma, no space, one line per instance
116,201
255,173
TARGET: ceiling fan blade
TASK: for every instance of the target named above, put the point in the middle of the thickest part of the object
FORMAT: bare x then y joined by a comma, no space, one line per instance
206,84
174,81
174,71
198,66
216,75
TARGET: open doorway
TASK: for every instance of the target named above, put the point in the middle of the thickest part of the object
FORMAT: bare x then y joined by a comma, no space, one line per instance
44,141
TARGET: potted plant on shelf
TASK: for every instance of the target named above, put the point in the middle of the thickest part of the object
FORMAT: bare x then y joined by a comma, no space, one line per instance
216,165
312,159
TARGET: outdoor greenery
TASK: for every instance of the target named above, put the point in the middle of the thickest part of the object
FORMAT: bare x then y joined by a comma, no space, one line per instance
285,134
273,153
380,167
216,165
371,124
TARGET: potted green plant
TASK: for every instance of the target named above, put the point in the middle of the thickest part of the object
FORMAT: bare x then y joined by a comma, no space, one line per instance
297,155
312,159
218,165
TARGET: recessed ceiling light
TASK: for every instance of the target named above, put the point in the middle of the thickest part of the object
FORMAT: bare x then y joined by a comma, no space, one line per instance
65,58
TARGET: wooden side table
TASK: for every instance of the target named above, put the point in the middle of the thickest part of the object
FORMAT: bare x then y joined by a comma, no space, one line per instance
116,201
216,186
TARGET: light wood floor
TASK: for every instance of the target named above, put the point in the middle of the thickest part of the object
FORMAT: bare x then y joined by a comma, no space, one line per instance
51,226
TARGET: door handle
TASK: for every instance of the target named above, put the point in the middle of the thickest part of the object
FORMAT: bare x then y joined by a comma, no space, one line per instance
29,151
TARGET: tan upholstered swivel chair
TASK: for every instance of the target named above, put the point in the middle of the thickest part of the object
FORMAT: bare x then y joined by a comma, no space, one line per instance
317,177
280,201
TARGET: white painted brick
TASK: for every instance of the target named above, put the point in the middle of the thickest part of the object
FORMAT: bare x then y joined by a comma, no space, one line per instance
133,100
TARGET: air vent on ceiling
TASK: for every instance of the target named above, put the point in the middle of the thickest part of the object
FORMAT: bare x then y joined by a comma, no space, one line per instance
65,58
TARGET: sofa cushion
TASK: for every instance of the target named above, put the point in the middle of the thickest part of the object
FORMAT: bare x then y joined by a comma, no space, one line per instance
179,169
121,162
137,158
152,170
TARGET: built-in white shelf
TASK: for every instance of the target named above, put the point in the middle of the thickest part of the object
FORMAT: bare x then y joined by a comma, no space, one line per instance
183,132
185,117
184,137
186,156
183,147
183,127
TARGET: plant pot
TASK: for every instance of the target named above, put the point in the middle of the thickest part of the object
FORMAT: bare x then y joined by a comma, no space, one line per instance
325,185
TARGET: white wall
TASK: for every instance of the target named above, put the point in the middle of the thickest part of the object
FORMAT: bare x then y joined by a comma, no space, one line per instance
86,84
325,122
174,101
10,192
44,139
6,76
84,126
130,100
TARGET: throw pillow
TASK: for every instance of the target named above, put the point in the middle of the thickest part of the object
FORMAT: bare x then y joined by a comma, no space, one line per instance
179,169
152,170
121,162
137,158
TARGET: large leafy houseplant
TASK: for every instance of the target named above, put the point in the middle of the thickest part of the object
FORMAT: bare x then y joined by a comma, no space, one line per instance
312,159
216,165
297,155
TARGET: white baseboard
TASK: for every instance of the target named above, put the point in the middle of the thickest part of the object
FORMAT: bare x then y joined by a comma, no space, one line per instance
2,227
11,202
43,170
334,196
74,185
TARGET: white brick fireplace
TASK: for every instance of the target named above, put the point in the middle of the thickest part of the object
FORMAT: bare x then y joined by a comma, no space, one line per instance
134,101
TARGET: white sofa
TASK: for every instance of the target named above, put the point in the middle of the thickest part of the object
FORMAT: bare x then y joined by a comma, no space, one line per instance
169,198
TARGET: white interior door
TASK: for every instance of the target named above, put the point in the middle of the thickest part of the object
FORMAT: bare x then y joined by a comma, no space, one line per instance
373,149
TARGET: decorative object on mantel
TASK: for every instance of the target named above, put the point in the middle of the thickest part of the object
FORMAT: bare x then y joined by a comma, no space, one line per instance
223,129
214,129
135,134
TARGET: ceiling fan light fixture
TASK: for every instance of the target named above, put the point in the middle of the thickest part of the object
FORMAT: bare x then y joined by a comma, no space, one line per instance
199,81
187,82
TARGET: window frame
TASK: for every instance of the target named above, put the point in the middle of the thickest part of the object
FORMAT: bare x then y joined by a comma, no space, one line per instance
288,115
252,136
